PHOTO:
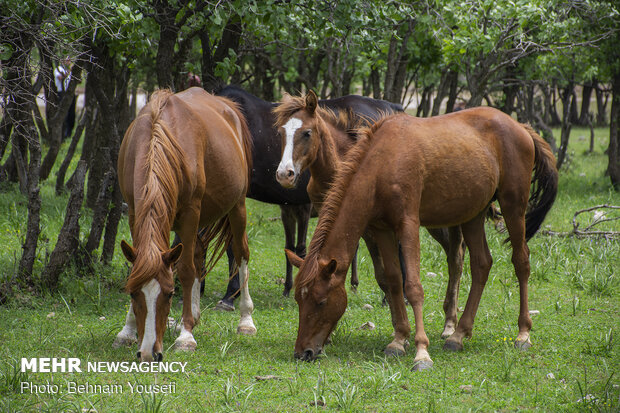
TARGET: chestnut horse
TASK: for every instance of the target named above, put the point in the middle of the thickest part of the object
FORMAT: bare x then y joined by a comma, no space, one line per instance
184,164
408,172
316,139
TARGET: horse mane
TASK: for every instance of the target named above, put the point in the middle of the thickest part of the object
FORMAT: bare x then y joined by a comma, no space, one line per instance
331,206
344,120
163,170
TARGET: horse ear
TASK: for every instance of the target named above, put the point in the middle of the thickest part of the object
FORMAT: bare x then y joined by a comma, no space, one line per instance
128,251
172,255
293,258
330,268
311,101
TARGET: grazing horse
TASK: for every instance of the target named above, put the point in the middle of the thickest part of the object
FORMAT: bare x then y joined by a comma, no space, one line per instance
184,164
266,152
408,172
316,139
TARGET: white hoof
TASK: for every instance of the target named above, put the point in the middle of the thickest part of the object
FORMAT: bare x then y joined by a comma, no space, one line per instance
246,330
185,342
188,344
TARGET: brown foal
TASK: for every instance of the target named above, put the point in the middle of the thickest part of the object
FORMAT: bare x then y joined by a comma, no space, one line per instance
317,139
408,172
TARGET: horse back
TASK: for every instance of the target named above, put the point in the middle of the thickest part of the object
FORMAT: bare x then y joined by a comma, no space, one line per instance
452,166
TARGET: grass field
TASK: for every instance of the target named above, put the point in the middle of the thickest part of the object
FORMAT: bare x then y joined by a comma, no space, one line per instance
574,364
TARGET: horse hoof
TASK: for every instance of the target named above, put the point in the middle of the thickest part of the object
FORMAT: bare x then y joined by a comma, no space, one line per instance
286,293
246,330
394,351
189,345
523,344
224,306
422,365
452,345
124,341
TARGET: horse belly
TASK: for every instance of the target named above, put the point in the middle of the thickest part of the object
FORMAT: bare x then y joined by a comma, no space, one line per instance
457,197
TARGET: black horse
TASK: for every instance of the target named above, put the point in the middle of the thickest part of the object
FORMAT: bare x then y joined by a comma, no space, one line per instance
266,152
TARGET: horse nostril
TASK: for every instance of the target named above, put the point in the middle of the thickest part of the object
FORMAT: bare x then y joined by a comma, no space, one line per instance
308,355
290,173
159,357
138,354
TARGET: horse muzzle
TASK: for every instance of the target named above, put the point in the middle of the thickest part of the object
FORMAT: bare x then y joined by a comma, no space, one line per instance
287,177
149,357
307,355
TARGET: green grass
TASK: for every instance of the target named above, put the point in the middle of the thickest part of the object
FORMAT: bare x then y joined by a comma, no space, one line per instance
572,366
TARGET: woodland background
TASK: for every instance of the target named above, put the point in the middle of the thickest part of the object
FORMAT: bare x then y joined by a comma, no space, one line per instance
552,63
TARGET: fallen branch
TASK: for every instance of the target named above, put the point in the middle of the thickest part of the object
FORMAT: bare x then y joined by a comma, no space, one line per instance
598,218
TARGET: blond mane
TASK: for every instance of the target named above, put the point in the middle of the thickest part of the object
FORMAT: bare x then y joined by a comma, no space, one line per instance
157,203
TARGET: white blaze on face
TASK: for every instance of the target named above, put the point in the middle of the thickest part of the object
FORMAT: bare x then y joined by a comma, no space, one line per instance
286,162
151,291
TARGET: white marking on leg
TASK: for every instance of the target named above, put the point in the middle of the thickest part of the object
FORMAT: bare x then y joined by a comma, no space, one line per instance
196,300
151,291
287,155
246,306
129,332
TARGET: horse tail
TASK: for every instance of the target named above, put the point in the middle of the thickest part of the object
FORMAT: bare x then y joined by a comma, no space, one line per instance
218,236
544,184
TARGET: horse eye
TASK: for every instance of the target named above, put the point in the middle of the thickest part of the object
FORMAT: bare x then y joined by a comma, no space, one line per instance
322,303
306,134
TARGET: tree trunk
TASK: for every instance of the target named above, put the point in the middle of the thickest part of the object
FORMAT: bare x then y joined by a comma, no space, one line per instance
601,105
586,95
567,96
613,152
442,91
33,228
55,123
452,94
69,236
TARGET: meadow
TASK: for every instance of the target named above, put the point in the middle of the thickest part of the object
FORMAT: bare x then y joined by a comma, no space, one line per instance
573,365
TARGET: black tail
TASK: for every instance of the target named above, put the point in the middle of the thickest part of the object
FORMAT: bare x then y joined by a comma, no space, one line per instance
544,185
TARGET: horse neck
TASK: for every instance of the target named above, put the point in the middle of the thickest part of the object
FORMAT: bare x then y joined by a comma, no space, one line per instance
347,224
333,145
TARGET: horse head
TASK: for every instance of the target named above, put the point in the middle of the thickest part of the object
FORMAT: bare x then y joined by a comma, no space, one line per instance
297,125
322,299
151,286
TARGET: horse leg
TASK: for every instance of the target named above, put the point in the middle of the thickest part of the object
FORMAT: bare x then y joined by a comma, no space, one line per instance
409,235
480,263
129,334
302,214
227,303
451,240
288,221
390,281
190,281
354,279
515,225
377,262
237,217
